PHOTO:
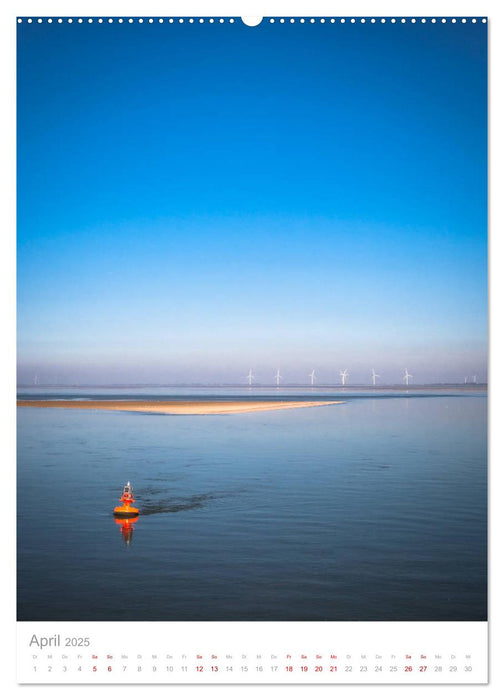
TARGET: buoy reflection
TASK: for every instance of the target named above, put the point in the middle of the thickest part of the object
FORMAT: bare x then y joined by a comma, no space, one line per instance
127,527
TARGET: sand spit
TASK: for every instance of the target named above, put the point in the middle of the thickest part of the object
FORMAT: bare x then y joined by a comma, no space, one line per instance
177,407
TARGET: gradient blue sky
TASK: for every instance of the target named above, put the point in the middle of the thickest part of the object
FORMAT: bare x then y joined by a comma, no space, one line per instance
197,200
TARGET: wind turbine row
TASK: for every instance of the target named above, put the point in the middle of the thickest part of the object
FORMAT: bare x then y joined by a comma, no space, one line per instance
473,381
343,373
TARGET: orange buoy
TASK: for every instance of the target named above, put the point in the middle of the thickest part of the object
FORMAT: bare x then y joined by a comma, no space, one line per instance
126,510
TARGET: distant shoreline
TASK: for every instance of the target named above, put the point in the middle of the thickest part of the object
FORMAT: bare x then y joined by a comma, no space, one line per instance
176,407
480,386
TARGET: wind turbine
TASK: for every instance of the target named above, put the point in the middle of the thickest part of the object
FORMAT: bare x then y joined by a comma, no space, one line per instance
374,377
278,376
250,377
312,376
344,375
407,377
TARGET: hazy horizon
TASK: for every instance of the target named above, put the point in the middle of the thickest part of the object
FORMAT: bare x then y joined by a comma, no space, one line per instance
261,378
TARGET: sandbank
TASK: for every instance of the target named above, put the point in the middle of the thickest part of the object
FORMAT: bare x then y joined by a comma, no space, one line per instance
195,407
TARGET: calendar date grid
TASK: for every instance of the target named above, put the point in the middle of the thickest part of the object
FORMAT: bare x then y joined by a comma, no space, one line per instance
267,664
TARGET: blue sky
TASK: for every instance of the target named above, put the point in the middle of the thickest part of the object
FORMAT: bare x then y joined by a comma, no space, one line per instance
197,200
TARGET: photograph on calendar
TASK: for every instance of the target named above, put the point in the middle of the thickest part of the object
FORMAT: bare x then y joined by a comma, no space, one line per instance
252,319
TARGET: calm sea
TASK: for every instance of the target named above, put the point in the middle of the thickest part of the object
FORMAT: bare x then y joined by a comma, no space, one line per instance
374,509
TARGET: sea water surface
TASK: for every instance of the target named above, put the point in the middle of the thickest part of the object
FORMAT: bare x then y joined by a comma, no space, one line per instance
373,509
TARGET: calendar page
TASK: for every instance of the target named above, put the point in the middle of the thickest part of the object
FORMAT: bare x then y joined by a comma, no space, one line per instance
252,348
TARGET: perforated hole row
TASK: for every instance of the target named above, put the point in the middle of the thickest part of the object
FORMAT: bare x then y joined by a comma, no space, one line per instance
375,20
130,20
272,20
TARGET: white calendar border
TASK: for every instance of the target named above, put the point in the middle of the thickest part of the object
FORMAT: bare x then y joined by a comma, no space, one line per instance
254,652
147,7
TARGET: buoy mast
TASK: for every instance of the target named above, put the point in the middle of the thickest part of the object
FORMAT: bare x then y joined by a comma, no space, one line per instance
127,495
